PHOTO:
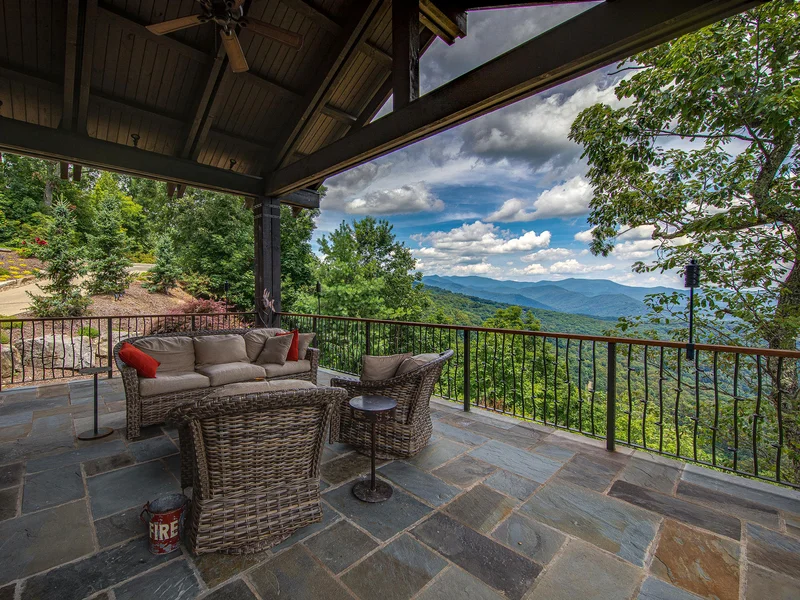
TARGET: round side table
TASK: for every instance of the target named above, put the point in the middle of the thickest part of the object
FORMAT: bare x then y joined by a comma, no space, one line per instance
373,409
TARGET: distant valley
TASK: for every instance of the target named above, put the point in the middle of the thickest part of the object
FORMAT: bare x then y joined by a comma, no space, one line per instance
592,297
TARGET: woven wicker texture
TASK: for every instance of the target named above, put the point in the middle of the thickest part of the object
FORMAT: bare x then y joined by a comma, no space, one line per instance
254,466
410,431
141,412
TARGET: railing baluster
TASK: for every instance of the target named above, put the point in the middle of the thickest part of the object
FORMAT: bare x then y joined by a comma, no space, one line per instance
735,412
630,395
580,385
779,404
569,384
757,415
611,398
716,409
646,400
696,401
555,384
677,407
661,400
594,382
544,379
467,374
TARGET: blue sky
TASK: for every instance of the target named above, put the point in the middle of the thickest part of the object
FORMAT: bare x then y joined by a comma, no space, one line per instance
505,195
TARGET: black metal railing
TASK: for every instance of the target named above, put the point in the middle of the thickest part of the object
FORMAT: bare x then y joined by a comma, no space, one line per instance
38,350
731,408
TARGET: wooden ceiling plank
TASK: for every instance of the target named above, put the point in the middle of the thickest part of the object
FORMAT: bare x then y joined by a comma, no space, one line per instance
70,66
86,62
110,14
362,15
603,35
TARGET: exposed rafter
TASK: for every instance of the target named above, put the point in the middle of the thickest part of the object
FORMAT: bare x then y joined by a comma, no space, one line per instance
70,65
447,24
87,47
363,14
600,36
201,110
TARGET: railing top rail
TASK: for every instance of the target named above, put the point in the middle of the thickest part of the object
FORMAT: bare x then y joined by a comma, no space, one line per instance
572,336
93,317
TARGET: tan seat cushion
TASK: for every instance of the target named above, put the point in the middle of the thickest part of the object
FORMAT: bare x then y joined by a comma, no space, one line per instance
378,368
275,351
291,367
176,354
255,338
258,387
219,349
171,383
415,362
231,372
304,343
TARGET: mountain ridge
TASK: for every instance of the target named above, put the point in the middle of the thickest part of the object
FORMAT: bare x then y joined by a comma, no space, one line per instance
592,297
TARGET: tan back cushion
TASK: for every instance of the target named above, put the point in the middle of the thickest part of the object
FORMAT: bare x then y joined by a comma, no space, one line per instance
378,368
275,351
305,342
415,362
219,349
176,354
255,338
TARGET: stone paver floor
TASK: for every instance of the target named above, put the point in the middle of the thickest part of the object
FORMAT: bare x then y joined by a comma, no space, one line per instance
490,509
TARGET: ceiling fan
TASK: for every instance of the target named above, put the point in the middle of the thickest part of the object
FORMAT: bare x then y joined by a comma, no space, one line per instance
229,14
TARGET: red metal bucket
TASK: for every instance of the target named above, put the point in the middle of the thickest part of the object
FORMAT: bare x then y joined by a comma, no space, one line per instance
166,522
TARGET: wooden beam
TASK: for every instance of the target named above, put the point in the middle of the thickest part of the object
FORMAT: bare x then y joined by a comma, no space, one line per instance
269,85
55,144
305,198
204,100
64,170
70,66
377,54
87,54
338,114
600,36
405,51
77,172
384,92
363,14
447,24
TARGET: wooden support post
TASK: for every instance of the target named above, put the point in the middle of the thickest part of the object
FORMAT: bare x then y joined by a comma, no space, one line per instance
405,53
267,223
77,172
64,170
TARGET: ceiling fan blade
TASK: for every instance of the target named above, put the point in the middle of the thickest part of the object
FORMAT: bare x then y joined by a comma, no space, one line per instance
234,51
284,36
175,24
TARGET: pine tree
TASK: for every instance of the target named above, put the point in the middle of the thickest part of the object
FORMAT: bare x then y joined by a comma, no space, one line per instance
165,273
108,246
63,263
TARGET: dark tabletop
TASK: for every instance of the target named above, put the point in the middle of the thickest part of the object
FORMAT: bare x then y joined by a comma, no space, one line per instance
93,370
372,403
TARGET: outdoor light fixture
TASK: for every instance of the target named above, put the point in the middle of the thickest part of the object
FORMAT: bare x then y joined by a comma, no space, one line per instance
691,280
227,289
319,296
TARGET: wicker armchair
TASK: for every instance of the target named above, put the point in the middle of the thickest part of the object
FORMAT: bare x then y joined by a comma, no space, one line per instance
255,466
410,431
141,412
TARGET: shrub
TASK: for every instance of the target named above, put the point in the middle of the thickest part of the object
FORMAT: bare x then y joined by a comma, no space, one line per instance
88,332
165,273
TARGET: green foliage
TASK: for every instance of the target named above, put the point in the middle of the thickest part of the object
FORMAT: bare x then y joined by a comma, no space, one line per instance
298,262
513,317
366,272
63,263
728,197
213,238
165,273
108,244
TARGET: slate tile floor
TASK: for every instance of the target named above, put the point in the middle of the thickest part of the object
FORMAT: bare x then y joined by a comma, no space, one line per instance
491,509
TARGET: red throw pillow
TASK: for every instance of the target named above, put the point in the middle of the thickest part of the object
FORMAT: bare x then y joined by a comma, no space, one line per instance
144,364
294,349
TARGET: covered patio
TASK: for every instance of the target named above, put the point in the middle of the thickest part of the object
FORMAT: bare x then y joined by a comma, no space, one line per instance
492,508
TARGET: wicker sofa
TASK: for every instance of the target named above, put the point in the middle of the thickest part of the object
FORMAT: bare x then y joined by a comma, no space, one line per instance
254,464
410,431
149,400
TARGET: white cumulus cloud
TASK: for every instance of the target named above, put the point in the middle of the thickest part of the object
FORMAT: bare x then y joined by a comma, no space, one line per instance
547,254
584,236
569,199
411,198
573,266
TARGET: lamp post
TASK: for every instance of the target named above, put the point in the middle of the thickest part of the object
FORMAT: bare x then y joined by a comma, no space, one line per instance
227,289
691,280
319,298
